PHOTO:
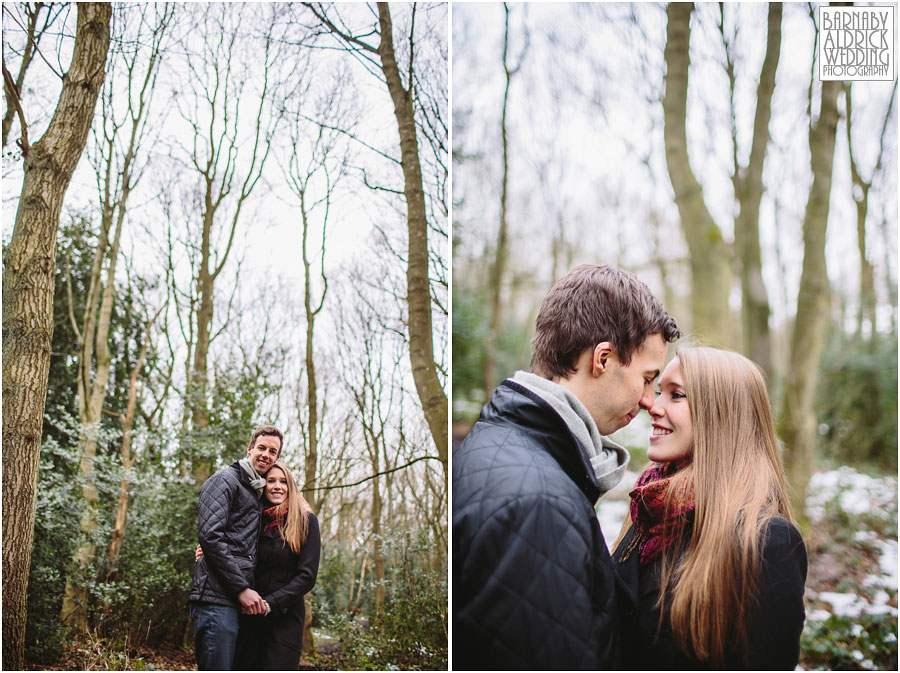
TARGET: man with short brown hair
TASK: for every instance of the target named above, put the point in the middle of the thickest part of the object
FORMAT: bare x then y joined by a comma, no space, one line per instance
228,517
533,582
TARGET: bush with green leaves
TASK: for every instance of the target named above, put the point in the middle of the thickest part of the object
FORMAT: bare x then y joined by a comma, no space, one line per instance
857,401
868,642
411,633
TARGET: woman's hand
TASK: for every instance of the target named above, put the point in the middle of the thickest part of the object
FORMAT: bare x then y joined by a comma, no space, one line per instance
267,612
198,553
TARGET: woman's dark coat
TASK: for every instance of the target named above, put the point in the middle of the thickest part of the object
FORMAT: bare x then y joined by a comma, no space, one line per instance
774,626
272,642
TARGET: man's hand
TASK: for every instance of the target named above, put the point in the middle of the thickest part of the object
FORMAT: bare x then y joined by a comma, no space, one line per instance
251,602
198,553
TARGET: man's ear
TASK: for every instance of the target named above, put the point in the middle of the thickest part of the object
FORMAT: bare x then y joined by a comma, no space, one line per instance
600,358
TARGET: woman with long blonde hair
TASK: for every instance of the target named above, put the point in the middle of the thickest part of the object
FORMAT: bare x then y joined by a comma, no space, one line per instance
287,562
712,562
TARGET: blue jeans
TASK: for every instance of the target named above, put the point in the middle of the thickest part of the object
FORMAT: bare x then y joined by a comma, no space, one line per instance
215,635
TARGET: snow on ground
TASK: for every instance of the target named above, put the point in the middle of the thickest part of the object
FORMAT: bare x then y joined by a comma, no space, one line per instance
857,493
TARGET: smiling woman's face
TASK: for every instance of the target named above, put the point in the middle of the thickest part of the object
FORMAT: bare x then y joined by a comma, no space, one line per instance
276,486
672,433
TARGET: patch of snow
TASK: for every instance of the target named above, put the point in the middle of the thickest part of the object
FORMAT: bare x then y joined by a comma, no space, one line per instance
888,561
846,605
818,615
856,493
851,605
611,514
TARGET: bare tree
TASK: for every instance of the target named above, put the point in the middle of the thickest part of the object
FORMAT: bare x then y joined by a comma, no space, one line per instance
216,88
748,191
500,250
28,282
861,186
12,88
121,157
418,292
128,456
710,259
315,166
798,423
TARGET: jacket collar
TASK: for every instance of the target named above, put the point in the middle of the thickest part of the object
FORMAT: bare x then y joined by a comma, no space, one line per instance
516,404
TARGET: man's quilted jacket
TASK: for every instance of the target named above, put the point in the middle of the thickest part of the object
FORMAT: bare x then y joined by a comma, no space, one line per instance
228,519
533,582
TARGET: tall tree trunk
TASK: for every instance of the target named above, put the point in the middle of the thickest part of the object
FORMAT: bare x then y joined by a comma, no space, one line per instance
128,457
749,191
866,311
418,290
28,307
500,252
118,171
377,546
798,423
710,261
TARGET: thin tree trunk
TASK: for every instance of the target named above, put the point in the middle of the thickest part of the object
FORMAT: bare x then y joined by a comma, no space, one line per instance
377,547
500,252
28,308
798,424
866,310
709,255
127,457
418,291
94,376
362,578
13,93
749,190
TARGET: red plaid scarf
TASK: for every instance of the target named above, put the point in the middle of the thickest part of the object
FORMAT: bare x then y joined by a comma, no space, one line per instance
273,516
654,528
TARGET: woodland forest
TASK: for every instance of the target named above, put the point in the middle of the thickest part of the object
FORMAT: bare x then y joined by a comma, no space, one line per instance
218,216
697,147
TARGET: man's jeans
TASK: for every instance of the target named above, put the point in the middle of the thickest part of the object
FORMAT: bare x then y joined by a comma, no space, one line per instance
215,635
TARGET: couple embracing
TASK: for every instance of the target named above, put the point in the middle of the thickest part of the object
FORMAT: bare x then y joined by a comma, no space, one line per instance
258,556
709,568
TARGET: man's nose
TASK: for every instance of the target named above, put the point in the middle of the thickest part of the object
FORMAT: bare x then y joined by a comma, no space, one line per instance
647,400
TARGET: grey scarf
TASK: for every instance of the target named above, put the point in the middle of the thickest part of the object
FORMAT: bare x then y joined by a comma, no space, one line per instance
257,481
608,459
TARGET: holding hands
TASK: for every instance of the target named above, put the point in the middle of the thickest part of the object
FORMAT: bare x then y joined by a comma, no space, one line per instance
251,602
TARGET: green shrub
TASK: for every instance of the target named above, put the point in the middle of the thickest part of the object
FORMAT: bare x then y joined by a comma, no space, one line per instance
868,642
857,401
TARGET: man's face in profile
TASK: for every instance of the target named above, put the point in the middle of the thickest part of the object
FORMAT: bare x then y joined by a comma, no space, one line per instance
621,391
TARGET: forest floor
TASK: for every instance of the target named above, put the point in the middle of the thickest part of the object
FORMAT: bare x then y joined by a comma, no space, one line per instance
851,586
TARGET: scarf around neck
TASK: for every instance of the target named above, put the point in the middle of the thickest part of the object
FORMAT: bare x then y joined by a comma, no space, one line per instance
655,529
608,459
257,481
274,516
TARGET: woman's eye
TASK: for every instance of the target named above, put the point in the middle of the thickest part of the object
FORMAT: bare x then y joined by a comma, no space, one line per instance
678,396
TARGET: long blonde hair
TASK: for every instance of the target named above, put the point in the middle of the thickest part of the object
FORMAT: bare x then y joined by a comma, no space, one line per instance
739,486
295,510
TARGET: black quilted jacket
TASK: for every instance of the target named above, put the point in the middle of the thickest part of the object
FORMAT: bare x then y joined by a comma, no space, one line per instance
228,520
533,583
